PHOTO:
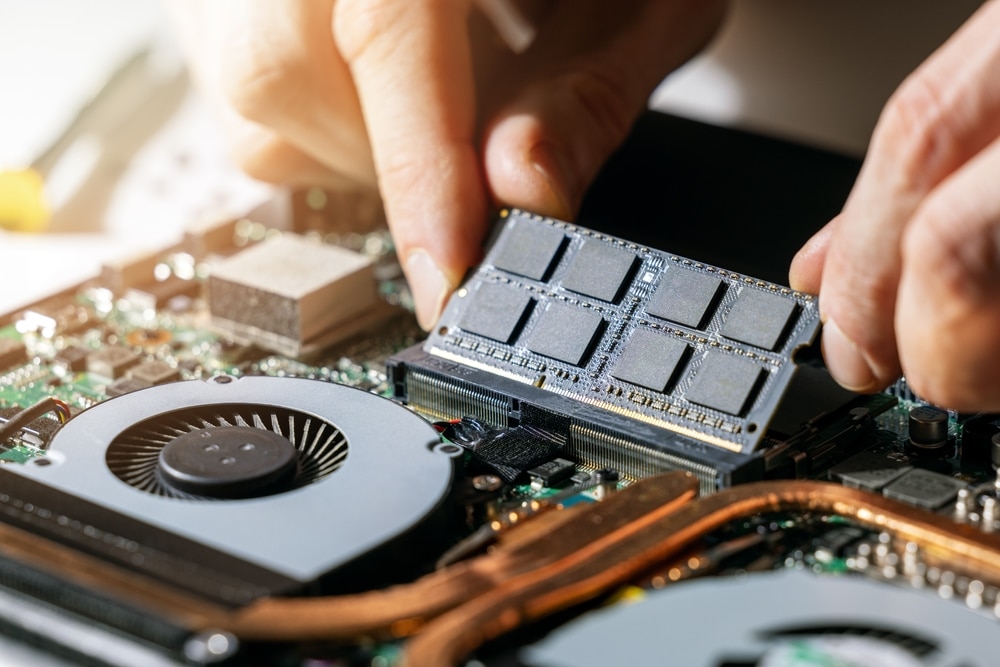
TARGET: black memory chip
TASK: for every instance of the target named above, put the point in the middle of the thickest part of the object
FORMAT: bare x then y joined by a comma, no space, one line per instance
600,270
724,382
685,297
529,250
759,318
650,360
566,333
496,311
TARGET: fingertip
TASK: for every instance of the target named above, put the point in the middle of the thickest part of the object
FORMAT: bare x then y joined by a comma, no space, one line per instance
526,169
846,361
430,286
806,271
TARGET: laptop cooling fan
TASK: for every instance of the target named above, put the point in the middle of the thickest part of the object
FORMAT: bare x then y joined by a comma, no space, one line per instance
786,618
235,488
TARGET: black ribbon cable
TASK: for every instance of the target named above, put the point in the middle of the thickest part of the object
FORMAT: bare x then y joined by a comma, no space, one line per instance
510,452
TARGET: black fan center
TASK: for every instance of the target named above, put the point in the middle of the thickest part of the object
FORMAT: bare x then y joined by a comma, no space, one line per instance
228,462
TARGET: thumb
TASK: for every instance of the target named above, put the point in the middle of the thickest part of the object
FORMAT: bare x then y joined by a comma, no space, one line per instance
587,78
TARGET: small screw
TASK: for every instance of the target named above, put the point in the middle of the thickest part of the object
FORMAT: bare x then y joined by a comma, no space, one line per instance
448,449
486,482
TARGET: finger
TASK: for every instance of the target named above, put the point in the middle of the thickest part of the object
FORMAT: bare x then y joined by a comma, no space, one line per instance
582,85
277,65
942,116
410,62
806,272
267,156
948,316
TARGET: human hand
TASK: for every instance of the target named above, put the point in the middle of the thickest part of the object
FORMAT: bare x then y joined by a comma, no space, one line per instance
421,98
909,273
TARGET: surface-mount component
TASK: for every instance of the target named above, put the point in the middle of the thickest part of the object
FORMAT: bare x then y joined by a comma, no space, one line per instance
529,250
928,428
638,357
685,297
159,293
565,333
552,473
759,318
112,361
497,312
73,358
924,488
284,293
600,270
650,359
869,471
125,385
53,317
210,236
154,372
12,352
724,383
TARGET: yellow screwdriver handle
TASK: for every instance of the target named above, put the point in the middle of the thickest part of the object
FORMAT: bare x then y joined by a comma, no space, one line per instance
23,207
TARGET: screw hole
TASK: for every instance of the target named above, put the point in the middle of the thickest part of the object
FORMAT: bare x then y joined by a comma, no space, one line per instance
448,449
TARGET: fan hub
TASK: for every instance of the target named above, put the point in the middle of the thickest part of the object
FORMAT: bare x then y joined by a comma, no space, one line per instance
228,462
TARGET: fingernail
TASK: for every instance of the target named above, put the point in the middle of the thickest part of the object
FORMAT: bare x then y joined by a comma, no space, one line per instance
844,360
559,175
430,288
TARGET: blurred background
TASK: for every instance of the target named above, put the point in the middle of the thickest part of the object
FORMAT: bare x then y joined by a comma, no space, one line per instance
96,98
97,109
